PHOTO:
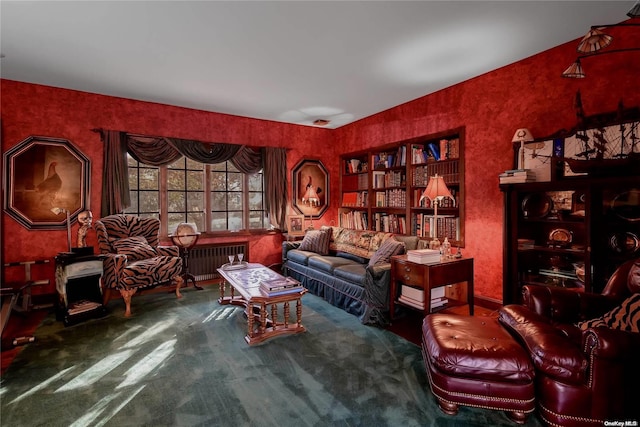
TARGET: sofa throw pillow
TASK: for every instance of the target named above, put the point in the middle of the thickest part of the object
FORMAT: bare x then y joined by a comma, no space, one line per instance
135,248
387,249
625,317
316,241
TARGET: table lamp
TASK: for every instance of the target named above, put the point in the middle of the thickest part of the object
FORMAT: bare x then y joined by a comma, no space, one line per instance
436,191
58,211
522,135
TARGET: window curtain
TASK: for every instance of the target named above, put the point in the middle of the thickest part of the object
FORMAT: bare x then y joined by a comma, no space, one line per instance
160,151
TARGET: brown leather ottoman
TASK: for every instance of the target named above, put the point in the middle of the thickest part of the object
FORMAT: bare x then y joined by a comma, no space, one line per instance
474,361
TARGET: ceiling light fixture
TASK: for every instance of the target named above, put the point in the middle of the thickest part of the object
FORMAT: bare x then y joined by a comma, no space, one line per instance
321,122
596,40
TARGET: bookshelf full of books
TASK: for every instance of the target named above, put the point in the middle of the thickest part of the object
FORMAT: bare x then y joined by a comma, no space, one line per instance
381,187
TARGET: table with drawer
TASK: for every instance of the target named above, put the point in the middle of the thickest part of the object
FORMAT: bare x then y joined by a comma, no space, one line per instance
427,277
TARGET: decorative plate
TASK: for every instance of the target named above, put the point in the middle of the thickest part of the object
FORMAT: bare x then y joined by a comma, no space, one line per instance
624,242
627,205
560,237
536,205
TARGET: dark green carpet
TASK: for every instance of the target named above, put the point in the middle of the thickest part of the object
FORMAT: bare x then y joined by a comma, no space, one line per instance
185,363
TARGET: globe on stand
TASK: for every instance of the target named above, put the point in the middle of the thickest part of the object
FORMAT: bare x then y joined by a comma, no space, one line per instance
185,237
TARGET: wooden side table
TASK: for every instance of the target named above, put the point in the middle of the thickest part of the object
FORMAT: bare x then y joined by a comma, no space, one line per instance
430,276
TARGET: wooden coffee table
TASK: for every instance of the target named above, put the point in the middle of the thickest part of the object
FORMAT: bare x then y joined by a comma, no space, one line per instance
244,280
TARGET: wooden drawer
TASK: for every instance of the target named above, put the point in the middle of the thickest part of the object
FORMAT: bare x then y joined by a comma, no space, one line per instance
409,273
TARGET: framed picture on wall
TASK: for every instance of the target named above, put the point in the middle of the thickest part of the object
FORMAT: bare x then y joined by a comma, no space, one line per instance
42,177
295,225
310,195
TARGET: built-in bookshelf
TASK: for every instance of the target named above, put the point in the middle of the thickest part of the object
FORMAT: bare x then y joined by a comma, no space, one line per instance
382,188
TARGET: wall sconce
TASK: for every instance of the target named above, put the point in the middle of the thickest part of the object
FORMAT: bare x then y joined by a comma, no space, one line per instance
595,40
436,191
58,211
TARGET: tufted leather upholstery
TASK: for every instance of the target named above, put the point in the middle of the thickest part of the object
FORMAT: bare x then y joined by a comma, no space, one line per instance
126,273
474,361
582,377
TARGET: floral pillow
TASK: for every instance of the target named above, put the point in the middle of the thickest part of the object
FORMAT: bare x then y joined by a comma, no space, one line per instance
135,248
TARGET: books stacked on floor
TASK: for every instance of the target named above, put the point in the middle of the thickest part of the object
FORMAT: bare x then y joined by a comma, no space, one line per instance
424,256
517,176
415,297
280,286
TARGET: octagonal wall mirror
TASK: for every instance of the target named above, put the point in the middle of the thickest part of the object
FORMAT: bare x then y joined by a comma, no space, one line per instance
43,176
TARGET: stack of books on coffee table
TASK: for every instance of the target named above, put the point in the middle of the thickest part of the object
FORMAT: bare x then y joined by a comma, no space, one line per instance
285,285
424,256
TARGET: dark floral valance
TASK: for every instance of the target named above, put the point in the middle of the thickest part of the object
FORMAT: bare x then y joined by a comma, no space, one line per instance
160,151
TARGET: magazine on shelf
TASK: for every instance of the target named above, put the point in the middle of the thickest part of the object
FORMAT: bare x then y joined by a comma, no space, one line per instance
285,291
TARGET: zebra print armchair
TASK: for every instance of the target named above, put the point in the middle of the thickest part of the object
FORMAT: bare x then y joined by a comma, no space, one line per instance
133,257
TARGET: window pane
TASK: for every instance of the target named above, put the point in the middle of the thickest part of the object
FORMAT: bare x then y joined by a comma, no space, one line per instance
257,220
194,165
218,221
195,202
175,179
255,201
231,168
218,201
149,179
235,220
149,201
255,182
174,220
133,209
235,201
218,181
219,167
235,182
195,180
176,202
197,218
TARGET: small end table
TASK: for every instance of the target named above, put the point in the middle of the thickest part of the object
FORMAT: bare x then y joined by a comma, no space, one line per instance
427,277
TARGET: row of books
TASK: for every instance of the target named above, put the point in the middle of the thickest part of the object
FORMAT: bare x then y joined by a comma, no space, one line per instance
450,172
356,199
389,223
382,179
391,199
387,160
444,149
415,297
355,166
517,176
428,203
355,220
448,226
280,286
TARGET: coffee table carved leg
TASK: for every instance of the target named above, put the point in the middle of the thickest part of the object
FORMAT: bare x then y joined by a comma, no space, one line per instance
286,314
274,315
249,311
299,312
263,318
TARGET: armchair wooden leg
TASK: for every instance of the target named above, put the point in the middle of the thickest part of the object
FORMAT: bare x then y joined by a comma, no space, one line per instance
126,296
179,282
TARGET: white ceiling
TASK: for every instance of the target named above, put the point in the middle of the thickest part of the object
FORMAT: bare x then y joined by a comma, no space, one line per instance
288,61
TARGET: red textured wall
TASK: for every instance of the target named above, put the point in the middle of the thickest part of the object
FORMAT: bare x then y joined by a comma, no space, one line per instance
528,93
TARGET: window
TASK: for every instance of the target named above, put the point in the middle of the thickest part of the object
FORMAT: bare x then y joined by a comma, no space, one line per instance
216,197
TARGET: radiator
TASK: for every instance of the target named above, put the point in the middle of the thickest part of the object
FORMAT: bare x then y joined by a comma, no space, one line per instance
205,259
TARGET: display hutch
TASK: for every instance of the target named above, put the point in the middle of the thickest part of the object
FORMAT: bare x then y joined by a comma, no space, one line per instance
581,219
381,188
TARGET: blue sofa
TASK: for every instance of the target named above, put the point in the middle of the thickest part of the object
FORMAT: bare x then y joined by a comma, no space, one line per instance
344,276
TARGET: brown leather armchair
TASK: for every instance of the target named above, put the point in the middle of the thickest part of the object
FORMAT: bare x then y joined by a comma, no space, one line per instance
583,377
